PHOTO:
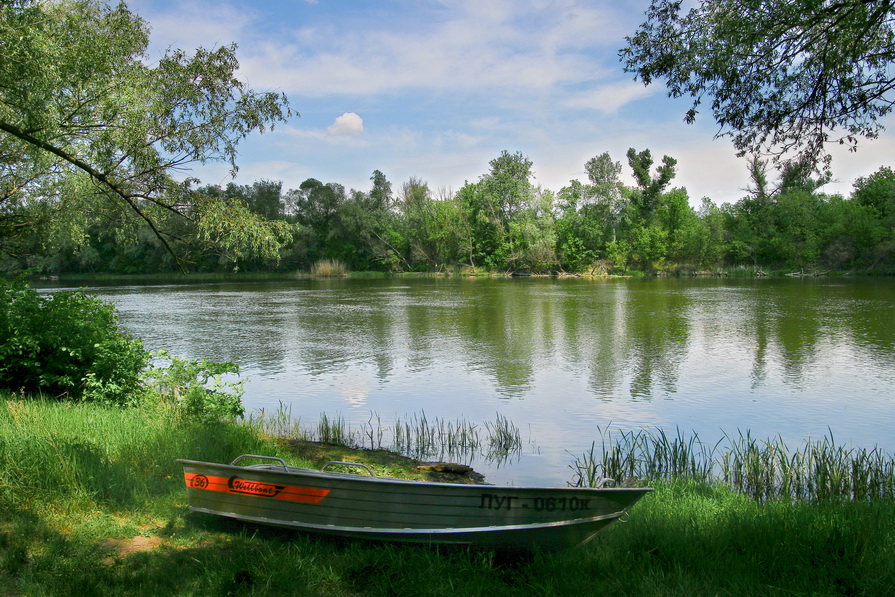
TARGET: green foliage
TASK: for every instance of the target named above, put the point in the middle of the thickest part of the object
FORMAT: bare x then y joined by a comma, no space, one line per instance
194,389
66,345
591,215
876,194
437,229
510,220
649,246
782,76
877,191
503,223
86,119
650,187
237,233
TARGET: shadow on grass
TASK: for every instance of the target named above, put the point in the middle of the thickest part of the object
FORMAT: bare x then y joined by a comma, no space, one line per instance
668,548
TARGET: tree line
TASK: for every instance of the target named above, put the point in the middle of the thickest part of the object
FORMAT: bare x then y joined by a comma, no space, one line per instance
92,131
502,223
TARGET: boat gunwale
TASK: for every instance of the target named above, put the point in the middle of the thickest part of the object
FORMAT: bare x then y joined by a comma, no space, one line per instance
297,472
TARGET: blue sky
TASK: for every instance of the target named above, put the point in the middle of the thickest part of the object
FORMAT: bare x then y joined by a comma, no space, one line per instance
436,89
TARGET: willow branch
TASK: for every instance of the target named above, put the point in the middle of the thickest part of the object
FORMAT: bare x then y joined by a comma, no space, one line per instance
97,176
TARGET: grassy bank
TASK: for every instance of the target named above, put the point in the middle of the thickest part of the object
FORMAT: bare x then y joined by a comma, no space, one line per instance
92,503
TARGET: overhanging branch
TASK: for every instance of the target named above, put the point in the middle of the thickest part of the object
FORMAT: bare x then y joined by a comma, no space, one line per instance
99,177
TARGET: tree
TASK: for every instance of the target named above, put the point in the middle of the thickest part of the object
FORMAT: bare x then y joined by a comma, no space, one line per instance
381,194
436,227
84,115
316,206
651,187
590,213
510,219
877,192
784,76
263,197
492,206
371,229
232,238
606,189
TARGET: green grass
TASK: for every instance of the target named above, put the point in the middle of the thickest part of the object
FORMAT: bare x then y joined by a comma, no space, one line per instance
80,483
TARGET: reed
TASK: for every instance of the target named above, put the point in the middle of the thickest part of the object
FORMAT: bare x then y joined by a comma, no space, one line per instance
762,469
503,436
329,268
278,423
415,436
441,439
643,455
819,471
333,431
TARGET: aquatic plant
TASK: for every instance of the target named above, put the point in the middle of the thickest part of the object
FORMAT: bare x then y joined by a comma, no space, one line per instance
768,469
415,435
819,471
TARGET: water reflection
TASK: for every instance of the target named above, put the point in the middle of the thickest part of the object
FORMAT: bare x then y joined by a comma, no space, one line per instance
557,357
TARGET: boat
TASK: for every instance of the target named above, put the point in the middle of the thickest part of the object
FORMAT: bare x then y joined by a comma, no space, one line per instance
366,506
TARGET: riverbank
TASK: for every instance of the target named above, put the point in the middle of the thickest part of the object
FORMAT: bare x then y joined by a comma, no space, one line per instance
676,271
92,502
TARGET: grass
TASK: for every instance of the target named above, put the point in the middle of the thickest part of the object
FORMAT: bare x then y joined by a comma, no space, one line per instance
92,503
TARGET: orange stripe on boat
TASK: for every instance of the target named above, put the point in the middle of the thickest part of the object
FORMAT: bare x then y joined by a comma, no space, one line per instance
235,484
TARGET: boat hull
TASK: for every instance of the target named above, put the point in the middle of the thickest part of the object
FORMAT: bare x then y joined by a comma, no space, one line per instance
348,505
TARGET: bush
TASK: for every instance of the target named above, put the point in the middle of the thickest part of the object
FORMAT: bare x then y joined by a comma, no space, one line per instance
66,345
194,389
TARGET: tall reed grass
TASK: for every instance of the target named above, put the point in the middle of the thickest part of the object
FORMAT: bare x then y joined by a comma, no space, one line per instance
329,268
763,469
415,436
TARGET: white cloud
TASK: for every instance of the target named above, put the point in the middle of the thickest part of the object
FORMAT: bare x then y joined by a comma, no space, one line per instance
609,98
194,24
472,46
348,124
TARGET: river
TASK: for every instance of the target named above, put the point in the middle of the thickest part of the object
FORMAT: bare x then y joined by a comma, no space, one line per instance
559,358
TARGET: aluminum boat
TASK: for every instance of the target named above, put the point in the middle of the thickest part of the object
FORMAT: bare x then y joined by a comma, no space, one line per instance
369,507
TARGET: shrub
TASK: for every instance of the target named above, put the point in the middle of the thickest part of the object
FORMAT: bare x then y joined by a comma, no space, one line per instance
194,389
66,345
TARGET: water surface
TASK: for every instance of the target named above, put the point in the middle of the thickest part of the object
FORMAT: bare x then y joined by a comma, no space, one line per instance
559,358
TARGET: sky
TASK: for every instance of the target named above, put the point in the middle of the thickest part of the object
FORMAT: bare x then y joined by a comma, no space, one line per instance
434,90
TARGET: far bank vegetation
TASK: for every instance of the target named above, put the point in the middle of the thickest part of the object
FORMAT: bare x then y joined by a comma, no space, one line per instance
505,224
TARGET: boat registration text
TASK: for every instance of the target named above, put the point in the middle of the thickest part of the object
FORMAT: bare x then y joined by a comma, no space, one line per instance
494,501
